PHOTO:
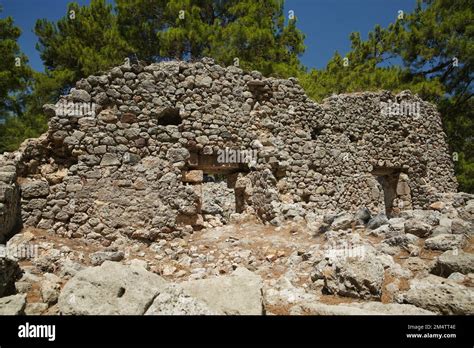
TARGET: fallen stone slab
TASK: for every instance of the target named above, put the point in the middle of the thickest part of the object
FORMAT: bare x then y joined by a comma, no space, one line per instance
173,300
439,295
367,308
237,294
110,289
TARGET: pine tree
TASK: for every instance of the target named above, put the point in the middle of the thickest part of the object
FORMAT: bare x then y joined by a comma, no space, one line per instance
83,42
15,81
14,70
253,31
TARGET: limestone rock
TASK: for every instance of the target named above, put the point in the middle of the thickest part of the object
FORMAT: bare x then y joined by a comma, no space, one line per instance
342,222
354,277
173,300
34,189
13,305
50,288
459,226
439,295
454,261
367,308
417,228
111,289
100,257
445,242
239,293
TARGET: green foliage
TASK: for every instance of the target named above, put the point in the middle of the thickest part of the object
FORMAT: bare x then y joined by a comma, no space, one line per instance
139,22
83,42
13,78
256,34
254,31
15,82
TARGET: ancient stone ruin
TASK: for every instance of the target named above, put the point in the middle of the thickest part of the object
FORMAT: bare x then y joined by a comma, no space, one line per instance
190,188
138,150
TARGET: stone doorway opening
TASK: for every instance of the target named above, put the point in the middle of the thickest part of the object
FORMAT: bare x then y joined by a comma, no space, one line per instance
395,191
219,196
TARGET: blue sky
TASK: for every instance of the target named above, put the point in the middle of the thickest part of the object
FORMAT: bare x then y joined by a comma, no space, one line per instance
326,23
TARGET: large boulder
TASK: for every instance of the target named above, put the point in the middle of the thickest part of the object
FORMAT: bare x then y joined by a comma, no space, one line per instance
110,289
173,300
454,261
417,228
445,242
439,295
353,277
13,305
239,293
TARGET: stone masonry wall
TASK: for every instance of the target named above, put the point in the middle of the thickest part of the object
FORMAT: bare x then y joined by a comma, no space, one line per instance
134,165
9,198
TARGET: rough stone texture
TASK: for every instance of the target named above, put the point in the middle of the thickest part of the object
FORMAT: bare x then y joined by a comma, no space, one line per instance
445,242
123,161
237,294
417,228
13,305
368,308
218,200
454,261
377,221
50,288
353,277
9,198
342,222
9,273
440,295
460,226
173,300
111,289
100,257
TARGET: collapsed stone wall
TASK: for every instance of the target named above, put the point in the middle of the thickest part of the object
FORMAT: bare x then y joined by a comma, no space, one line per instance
134,163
